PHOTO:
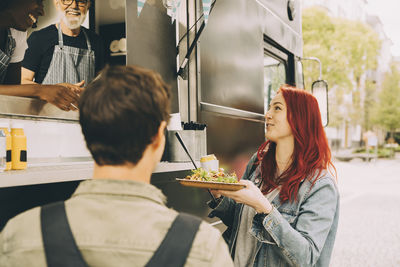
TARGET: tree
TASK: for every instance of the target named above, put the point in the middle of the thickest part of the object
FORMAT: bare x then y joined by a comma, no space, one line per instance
369,104
347,50
388,110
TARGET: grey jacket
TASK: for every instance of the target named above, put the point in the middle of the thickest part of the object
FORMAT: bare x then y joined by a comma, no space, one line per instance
114,223
299,233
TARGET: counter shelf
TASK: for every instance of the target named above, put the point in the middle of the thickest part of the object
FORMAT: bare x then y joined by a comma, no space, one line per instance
42,173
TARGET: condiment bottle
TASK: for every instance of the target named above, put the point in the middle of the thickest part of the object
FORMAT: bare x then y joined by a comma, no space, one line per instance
4,126
18,151
209,163
3,158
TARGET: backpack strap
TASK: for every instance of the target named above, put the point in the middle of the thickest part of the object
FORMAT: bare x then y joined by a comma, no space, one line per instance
61,250
59,243
174,249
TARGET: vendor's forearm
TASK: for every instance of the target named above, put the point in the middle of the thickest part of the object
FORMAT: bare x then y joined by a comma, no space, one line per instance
26,90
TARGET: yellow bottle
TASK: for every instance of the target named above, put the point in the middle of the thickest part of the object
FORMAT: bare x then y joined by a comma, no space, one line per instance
4,127
18,152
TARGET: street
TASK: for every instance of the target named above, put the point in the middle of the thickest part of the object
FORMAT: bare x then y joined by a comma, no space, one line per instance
369,224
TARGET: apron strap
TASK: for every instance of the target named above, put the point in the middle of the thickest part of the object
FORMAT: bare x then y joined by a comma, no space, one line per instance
11,44
59,244
5,56
60,37
174,249
87,39
61,41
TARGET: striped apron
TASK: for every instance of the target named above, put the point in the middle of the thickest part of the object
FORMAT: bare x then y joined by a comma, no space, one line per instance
5,57
71,64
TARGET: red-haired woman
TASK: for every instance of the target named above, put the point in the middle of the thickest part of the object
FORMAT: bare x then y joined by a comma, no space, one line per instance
288,213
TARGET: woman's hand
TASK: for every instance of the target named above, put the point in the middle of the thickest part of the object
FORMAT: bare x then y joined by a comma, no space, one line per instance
251,196
215,193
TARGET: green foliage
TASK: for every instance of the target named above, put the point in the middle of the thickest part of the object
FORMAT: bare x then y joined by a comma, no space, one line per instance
359,150
382,152
347,49
385,153
388,110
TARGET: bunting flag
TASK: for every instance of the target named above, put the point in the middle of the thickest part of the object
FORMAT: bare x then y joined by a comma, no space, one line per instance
140,4
175,9
206,9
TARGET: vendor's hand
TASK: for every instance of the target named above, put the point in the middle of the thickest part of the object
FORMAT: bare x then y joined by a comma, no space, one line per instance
79,88
65,96
251,196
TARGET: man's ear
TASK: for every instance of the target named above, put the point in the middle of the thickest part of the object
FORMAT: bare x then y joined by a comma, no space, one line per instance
157,140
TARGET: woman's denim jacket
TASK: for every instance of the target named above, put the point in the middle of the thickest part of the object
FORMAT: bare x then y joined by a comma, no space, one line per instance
299,233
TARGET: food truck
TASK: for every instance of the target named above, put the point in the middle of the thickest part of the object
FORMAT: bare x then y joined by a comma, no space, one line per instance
224,63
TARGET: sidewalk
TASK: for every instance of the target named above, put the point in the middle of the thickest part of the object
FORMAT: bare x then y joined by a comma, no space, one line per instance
368,232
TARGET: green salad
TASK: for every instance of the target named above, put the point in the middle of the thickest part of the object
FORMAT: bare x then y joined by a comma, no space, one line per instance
212,176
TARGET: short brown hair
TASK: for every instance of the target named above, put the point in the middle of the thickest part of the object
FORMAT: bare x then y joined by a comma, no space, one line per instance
121,111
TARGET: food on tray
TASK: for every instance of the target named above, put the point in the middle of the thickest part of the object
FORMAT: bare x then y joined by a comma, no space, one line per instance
212,176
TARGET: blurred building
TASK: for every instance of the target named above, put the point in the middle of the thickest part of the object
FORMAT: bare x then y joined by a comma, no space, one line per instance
385,56
396,62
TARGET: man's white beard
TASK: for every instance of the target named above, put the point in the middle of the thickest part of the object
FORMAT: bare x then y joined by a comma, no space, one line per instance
73,22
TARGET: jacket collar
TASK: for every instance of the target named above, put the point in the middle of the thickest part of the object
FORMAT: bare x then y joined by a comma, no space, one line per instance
257,180
118,188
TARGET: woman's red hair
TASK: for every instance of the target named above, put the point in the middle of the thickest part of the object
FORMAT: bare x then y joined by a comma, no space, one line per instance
311,154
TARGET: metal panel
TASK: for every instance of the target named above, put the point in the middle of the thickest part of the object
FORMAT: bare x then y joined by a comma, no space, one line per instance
278,27
232,56
151,42
232,78
232,112
233,141
232,97
25,107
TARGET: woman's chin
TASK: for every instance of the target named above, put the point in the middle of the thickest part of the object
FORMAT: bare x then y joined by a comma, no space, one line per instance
270,138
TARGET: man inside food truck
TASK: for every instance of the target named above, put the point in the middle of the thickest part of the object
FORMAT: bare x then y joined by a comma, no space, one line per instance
117,218
16,16
65,52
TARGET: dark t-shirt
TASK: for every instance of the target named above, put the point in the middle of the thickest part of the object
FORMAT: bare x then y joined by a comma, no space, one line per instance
41,45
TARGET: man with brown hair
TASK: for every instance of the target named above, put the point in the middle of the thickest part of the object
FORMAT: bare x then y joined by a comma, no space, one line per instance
117,218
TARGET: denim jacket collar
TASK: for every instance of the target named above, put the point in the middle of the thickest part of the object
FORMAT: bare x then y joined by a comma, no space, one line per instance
257,180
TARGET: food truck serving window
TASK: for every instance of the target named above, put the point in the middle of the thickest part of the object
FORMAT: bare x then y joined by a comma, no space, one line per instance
274,77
